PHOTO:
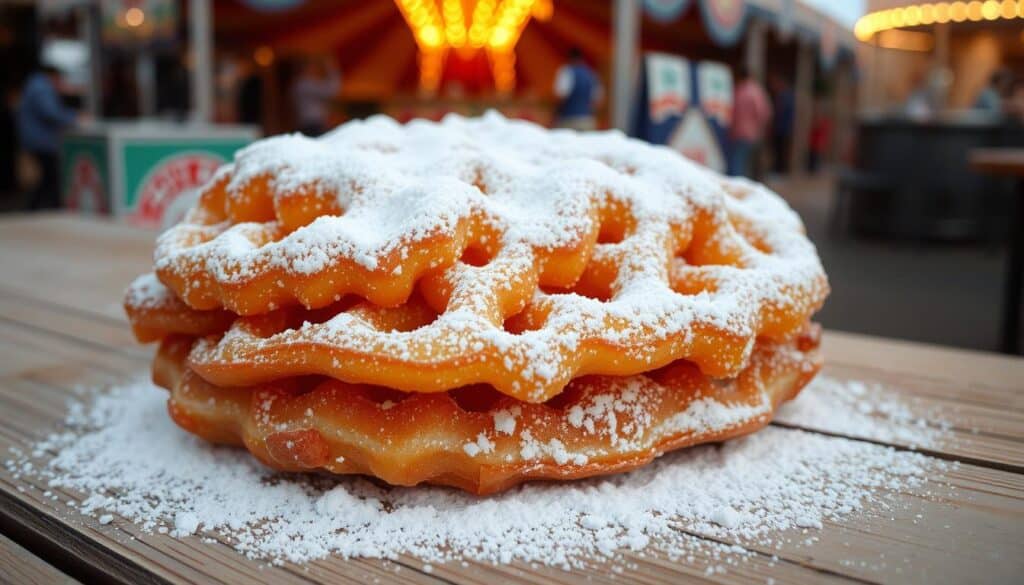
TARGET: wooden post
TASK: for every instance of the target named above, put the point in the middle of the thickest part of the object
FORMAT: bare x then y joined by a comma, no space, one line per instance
940,64
803,92
843,101
625,36
754,57
201,33
89,33
145,78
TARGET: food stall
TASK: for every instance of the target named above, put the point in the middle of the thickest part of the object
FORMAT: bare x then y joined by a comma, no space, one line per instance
138,165
425,58
137,170
938,82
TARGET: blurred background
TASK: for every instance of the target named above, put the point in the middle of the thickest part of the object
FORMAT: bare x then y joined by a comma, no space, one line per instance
890,126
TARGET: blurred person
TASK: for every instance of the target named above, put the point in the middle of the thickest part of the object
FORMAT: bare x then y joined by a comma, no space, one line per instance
250,95
919,104
929,94
751,113
783,121
120,87
8,144
991,97
579,91
820,137
42,116
172,87
1014,105
317,84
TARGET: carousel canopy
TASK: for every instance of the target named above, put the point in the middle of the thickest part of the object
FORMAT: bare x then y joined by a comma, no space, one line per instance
474,47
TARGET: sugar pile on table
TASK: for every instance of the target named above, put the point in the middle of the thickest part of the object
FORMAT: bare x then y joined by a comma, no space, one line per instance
865,411
122,453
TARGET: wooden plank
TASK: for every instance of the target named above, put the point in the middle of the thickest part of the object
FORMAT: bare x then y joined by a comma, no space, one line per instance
120,549
998,161
920,548
30,406
17,565
59,319
24,349
981,430
970,370
82,264
964,525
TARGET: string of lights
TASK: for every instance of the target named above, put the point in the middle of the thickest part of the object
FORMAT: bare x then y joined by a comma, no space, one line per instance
936,13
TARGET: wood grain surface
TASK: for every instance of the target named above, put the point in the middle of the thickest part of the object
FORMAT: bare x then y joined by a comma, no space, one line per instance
61,327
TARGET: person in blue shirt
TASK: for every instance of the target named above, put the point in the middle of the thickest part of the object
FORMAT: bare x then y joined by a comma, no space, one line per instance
42,116
579,91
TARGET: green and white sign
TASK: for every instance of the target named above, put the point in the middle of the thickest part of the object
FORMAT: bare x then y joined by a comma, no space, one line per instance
140,170
157,173
85,174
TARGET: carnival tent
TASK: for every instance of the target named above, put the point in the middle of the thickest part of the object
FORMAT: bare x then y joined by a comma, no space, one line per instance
376,47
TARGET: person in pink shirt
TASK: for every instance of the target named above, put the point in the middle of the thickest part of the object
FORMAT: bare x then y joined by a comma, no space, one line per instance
750,116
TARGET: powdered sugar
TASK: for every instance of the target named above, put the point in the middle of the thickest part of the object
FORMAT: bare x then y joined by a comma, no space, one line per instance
870,412
700,252
146,292
124,455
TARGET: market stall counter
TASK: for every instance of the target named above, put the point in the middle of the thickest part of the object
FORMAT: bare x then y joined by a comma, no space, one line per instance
143,171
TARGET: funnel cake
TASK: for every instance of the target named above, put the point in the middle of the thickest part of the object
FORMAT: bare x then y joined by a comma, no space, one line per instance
477,303
479,440
543,256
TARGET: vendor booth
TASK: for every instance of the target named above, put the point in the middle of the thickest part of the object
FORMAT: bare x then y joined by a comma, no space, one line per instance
701,42
941,79
137,170
151,140
429,57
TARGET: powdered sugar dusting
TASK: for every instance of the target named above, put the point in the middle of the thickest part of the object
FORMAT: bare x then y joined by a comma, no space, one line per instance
146,292
747,490
699,252
870,412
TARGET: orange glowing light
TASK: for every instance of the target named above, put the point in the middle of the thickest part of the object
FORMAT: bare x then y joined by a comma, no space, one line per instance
493,25
263,56
134,17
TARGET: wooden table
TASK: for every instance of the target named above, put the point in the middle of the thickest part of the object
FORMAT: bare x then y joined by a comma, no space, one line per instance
61,326
1009,162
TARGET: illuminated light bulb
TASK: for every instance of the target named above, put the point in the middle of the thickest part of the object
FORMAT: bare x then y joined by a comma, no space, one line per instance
543,9
942,13
974,11
134,17
1008,9
500,37
431,36
862,30
990,9
958,12
884,20
896,19
263,56
912,15
928,14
